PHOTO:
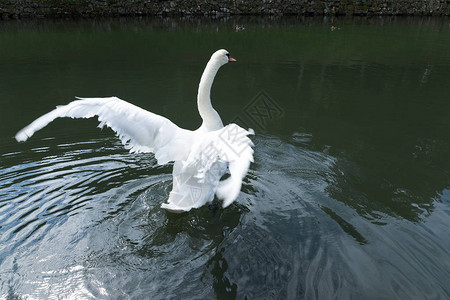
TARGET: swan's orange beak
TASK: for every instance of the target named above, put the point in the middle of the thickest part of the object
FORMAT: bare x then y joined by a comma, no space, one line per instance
231,59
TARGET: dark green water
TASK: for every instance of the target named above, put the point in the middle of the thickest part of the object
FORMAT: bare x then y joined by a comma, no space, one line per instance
349,195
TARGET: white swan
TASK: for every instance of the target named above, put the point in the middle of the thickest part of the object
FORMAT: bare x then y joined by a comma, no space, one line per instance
201,157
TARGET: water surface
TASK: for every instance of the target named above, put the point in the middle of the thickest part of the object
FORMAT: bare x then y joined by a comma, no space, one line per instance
348,195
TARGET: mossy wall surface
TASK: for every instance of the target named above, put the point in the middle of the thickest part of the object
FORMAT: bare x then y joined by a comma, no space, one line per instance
85,8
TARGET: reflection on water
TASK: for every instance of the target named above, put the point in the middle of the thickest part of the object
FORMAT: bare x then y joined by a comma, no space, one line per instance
348,195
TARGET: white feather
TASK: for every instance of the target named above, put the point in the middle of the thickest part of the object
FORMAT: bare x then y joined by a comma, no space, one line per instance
201,156
138,129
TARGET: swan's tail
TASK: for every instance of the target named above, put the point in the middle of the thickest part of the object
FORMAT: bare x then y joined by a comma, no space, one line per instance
188,191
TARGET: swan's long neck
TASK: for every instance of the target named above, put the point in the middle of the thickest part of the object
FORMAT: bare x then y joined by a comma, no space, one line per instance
211,119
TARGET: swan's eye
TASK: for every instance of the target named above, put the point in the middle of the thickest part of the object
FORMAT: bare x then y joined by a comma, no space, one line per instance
228,55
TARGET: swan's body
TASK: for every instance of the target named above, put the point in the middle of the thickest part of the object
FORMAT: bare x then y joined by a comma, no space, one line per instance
200,157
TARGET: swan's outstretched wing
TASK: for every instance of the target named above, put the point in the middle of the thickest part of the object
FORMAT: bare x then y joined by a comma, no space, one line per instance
230,144
138,129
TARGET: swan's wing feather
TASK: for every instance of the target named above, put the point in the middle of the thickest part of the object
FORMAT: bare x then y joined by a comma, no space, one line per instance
239,155
138,129
230,144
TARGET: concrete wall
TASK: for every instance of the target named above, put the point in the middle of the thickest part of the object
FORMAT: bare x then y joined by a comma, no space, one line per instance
95,8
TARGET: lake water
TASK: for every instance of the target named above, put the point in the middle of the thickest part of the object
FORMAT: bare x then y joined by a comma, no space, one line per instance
348,197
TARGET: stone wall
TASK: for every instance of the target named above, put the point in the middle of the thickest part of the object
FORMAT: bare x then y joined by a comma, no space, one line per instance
97,8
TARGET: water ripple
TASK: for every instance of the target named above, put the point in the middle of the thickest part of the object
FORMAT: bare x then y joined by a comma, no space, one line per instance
42,192
92,222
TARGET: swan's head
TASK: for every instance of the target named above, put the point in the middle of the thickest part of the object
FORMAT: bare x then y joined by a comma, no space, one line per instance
222,56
